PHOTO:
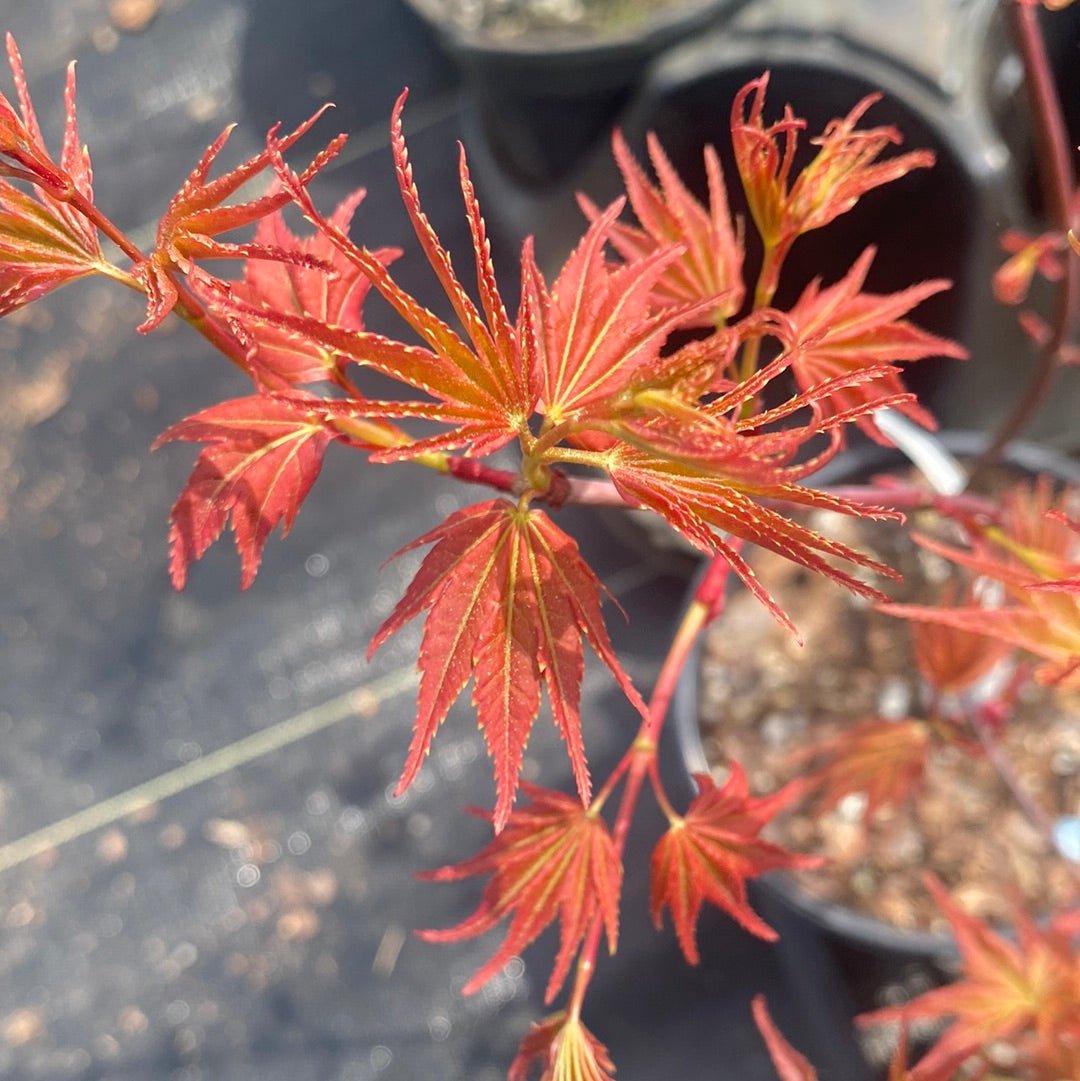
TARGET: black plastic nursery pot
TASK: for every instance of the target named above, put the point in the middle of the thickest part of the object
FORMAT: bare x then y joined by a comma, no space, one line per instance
545,97
872,953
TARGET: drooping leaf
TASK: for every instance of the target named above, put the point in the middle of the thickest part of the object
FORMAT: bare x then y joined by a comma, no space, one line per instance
882,759
198,213
509,600
841,329
790,1065
703,505
1024,993
262,459
45,242
709,853
711,261
564,1049
555,860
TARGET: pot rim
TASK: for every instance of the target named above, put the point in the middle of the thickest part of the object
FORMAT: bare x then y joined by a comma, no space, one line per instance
842,921
661,28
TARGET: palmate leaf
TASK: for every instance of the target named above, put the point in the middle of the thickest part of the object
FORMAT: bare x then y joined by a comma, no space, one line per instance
264,454
710,264
565,1050
509,600
1035,555
198,213
44,241
598,325
555,860
321,284
841,328
790,1065
845,167
709,853
883,759
1025,993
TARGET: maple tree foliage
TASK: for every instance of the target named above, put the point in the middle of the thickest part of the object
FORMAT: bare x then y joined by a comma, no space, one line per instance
45,242
709,853
711,262
189,229
883,759
845,167
1024,993
554,860
842,328
319,283
263,456
509,600
566,1051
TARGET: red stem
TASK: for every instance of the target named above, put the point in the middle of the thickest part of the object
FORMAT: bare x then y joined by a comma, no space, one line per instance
642,752
1052,154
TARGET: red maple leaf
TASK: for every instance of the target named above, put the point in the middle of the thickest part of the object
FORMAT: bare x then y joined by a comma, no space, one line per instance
1028,255
1025,993
321,284
711,262
845,167
842,328
882,759
555,860
599,332
565,1049
198,213
509,599
484,388
45,242
263,457
709,853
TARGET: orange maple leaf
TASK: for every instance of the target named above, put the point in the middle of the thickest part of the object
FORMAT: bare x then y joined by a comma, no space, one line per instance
1025,993
188,230
320,284
555,860
845,167
883,759
509,599
45,242
485,387
1029,255
565,1049
709,853
841,328
712,260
